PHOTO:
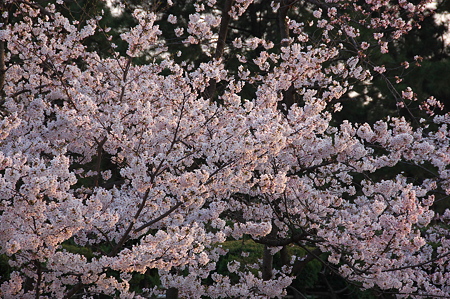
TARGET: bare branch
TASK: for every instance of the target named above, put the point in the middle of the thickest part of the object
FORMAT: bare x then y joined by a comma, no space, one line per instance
42,9
220,46
158,218
125,236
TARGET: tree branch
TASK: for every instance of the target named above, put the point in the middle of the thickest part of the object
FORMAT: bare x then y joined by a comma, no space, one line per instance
220,45
167,213
277,242
2,66
125,236
288,95
99,159
42,9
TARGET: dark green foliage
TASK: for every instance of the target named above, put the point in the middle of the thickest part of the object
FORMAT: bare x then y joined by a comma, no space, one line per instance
235,250
144,281
71,247
5,268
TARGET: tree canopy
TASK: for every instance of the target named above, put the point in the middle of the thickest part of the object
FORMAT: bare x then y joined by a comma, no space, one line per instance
221,149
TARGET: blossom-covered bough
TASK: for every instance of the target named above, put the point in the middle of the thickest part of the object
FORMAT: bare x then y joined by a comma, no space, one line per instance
154,165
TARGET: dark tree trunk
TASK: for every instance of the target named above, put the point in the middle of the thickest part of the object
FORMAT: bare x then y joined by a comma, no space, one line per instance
172,293
288,95
220,46
267,265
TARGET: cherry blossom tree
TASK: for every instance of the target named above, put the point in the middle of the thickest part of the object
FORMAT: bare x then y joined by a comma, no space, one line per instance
156,165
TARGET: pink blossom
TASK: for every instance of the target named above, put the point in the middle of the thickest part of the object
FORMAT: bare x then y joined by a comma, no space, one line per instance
161,163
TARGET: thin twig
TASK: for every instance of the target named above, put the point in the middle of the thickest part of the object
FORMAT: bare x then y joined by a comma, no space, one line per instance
158,218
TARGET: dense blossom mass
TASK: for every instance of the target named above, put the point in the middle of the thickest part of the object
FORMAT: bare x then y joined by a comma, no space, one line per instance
154,162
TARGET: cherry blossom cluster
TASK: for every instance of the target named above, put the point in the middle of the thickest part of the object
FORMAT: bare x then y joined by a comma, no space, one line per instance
138,166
